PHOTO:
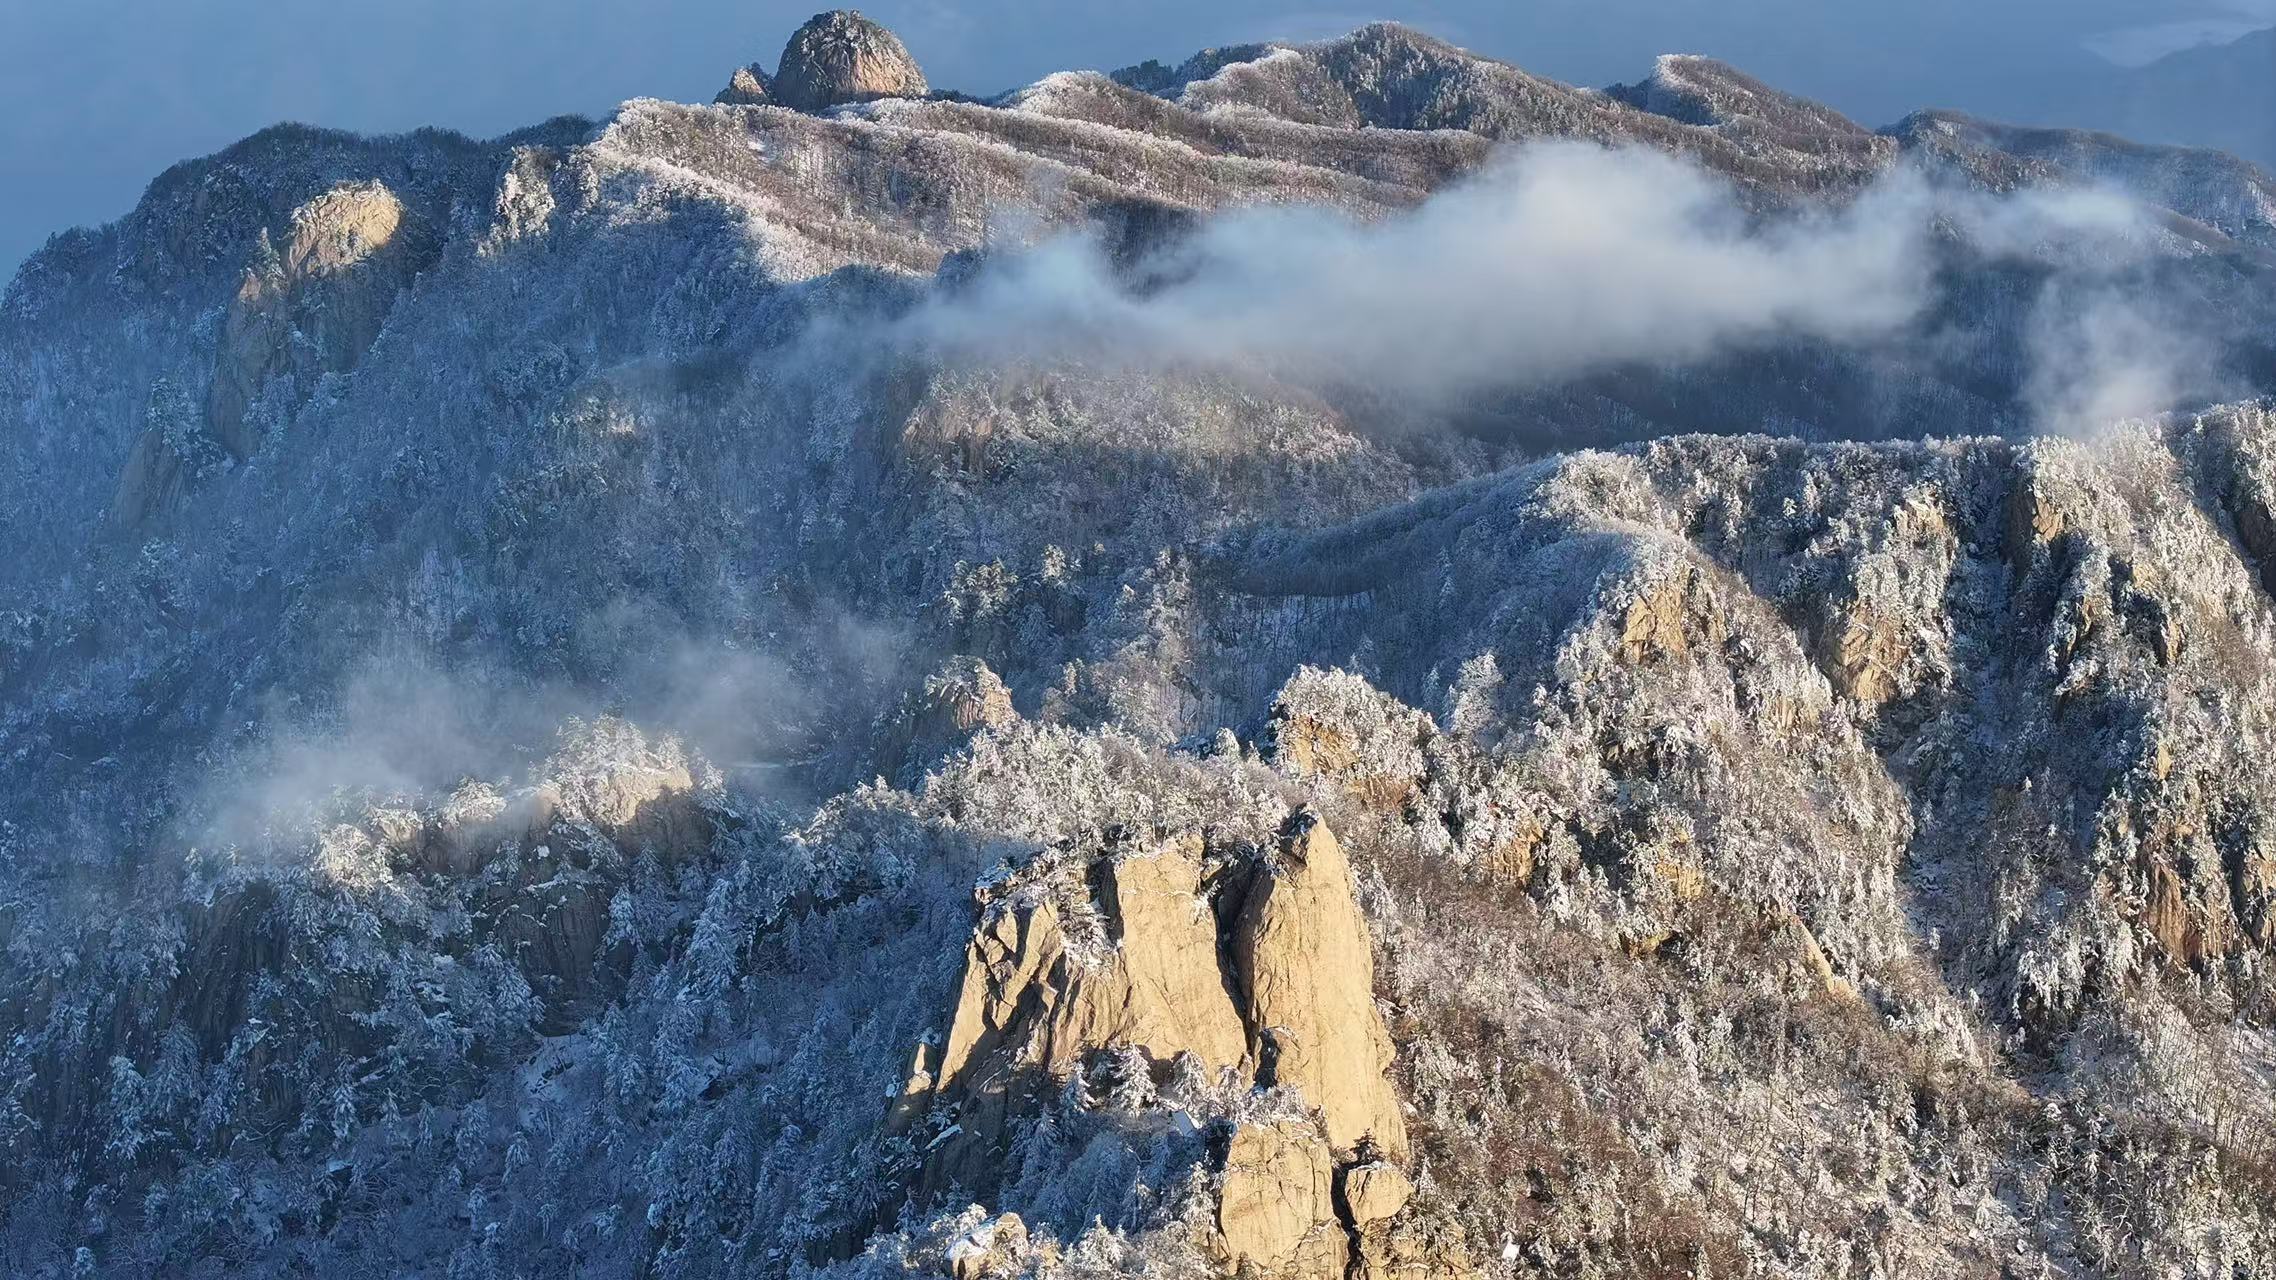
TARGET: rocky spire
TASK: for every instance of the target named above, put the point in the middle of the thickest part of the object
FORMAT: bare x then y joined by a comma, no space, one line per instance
841,56
746,88
1257,970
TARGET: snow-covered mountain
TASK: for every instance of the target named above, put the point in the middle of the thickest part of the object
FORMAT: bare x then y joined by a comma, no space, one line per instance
1334,660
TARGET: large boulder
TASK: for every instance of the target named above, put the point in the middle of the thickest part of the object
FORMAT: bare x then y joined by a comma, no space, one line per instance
1274,1208
841,56
1375,1192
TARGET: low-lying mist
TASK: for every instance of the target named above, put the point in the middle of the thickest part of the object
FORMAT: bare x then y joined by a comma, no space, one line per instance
406,726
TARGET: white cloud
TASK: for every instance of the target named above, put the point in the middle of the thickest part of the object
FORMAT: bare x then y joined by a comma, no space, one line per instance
1562,260
2100,354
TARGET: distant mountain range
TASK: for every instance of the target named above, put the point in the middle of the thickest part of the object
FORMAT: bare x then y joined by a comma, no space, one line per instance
2221,96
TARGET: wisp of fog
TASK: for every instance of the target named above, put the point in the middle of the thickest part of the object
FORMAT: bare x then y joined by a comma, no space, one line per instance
1560,260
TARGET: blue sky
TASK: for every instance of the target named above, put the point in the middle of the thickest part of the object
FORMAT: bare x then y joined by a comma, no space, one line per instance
98,96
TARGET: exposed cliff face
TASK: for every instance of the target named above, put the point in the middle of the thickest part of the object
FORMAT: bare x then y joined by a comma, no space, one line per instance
1052,979
305,311
841,56
1749,855
1307,981
1225,971
313,305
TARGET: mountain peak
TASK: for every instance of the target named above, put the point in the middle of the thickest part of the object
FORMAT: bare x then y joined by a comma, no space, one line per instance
746,88
841,56
1706,91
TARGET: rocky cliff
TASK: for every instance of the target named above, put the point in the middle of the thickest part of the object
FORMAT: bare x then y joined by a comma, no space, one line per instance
1193,979
1329,660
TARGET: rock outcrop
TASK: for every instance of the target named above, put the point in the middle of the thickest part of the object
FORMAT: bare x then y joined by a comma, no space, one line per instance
312,306
841,56
174,451
1667,613
1300,949
995,1248
1275,1208
746,88
962,696
1253,970
1051,978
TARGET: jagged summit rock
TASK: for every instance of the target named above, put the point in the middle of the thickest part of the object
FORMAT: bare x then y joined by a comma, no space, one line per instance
841,56
746,88
1306,977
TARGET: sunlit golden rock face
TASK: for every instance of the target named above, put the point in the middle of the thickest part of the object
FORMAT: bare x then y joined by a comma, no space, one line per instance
314,304
841,56
1252,971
